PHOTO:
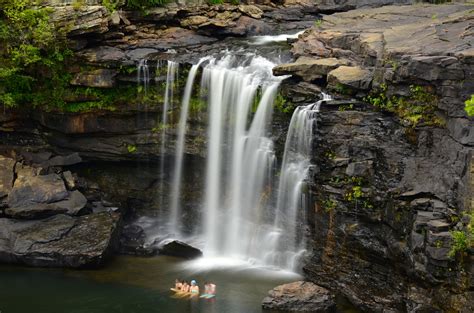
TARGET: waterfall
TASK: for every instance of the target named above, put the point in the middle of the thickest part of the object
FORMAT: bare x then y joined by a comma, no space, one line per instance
243,215
240,157
179,154
171,76
143,74
290,211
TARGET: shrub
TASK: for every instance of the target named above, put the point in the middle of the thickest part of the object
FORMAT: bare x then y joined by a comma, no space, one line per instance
469,108
32,54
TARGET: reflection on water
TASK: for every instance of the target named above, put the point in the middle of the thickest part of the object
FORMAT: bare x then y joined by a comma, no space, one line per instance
132,284
137,285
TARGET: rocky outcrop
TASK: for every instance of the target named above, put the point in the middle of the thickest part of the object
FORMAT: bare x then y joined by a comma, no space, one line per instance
58,241
40,223
364,215
389,193
300,296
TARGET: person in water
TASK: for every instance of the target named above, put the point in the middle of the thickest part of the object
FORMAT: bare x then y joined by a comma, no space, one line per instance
178,284
185,287
212,288
194,287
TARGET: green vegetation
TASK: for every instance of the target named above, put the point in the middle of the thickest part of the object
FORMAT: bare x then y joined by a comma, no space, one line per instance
329,154
111,5
460,242
345,107
469,108
161,127
463,240
342,89
214,2
197,105
145,4
33,54
318,23
131,148
329,205
281,105
419,107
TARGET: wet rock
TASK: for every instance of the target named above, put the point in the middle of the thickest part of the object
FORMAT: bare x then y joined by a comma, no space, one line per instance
300,296
100,78
352,76
133,241
59,241
7,172
29,190
180,249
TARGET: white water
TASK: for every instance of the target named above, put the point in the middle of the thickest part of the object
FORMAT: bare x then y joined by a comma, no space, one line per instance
290,211
262,40
174,224
240,219
171,76
240,156
143,74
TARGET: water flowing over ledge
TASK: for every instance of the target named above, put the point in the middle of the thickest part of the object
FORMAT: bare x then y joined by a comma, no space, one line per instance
246,218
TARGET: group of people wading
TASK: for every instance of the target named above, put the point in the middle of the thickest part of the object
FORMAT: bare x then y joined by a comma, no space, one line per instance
193,288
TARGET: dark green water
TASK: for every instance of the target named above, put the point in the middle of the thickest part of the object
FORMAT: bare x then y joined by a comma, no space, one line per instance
132,284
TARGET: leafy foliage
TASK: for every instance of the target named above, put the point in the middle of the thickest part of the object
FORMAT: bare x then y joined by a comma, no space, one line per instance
32,54
469,108
215,1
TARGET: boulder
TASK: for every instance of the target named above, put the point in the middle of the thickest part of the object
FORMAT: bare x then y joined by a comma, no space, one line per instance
133,241
309,69
251,11
69,180
72,205
351,76
59,241
180,249
100,78
194,21
7,172
30,189
300,296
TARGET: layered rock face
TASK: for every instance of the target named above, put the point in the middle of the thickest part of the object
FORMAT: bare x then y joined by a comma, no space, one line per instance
388,192
46,221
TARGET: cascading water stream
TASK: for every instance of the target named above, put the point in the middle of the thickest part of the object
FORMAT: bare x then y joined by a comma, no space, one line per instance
240,158
290,213
171,75
239,217
143,74
178,168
